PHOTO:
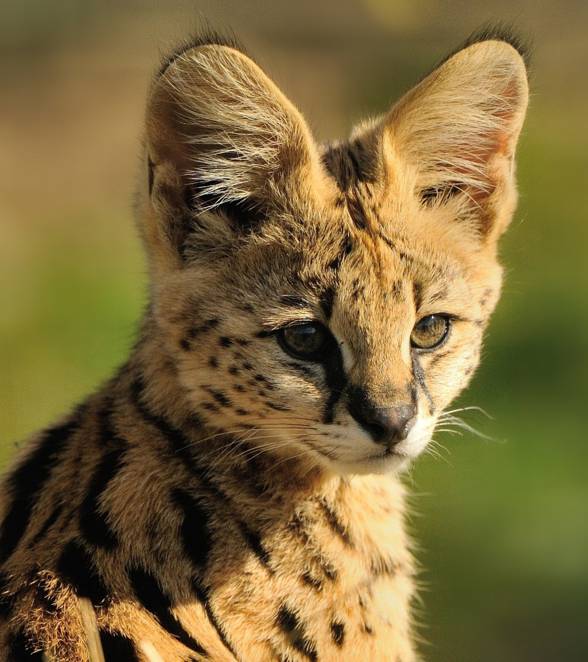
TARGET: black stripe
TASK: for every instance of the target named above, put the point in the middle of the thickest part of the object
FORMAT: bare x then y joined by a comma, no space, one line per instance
28,480
194,529
253,539
19,649
335,378
180,446
351,164
203,596
76,567
93,522
117,647
49,522
327,301
419,375
334,523
155,601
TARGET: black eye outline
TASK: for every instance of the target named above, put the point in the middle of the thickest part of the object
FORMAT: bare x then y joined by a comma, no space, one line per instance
317,354
448,319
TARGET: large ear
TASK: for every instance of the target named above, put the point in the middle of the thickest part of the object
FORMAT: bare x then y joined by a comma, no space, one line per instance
221,140
458,130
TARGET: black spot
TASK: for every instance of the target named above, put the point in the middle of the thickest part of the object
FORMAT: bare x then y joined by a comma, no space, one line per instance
290,625
76,568
263,334
94,525
47,524
338,633
194,529
327,301
117,647
233,370
28,481
242,342
346,249
207,325
155,601
185,344
287,620
213,362
239,387
247,366
224,341
222,399
310,580
19,649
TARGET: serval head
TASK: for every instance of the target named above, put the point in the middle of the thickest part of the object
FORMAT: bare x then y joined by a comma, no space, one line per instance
327,301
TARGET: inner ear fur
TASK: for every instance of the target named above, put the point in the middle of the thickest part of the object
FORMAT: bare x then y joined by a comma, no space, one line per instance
458,128
221,139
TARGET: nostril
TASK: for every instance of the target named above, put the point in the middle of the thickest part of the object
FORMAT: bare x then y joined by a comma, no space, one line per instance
386,425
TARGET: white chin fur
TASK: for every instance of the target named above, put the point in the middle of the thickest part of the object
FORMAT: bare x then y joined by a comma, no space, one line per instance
365,457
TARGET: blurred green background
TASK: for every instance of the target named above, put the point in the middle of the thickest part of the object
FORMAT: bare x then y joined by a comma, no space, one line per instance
502,525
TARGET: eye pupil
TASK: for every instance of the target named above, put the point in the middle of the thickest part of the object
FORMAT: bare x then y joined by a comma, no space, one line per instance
303,340
430,331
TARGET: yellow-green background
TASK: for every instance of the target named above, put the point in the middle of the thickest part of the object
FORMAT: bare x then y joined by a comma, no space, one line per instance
502,526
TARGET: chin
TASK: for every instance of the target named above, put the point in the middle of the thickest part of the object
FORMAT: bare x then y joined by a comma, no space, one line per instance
379,465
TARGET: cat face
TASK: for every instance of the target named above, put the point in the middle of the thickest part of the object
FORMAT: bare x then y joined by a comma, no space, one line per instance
328,304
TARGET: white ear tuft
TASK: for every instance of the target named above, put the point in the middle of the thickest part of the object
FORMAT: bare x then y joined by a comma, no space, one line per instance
232,129
459,127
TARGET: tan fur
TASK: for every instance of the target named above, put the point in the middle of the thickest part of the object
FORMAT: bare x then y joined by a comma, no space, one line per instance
216,499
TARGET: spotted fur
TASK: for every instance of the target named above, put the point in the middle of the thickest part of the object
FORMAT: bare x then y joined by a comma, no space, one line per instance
219,498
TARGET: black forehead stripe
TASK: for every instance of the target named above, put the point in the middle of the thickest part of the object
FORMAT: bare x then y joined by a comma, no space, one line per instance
350,164
417,291
327,301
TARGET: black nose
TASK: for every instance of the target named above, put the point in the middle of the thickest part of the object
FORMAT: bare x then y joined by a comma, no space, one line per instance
386,425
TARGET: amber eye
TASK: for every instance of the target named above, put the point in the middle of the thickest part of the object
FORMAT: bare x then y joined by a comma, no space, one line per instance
304,341
430,331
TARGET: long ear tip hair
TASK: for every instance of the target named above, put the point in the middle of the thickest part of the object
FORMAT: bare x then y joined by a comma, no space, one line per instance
204,36
498,32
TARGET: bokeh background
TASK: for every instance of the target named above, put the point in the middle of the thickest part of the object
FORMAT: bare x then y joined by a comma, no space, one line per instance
502,525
